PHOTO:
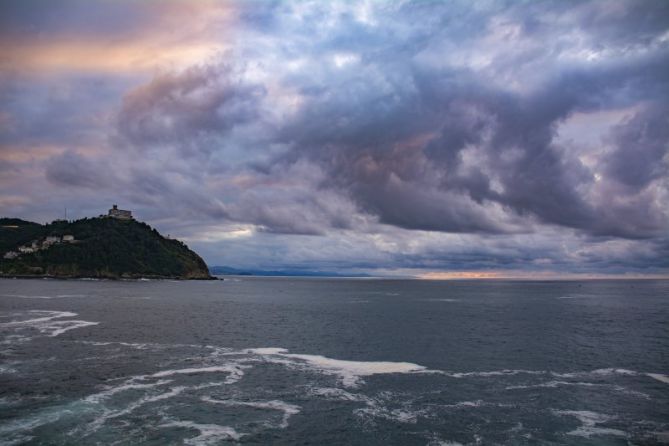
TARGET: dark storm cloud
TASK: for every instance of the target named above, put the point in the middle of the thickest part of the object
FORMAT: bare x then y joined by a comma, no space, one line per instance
352,128
179,107
73,170
459,135
640,144
396,134
62,109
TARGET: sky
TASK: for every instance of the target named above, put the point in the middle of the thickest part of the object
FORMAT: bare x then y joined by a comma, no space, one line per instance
433,139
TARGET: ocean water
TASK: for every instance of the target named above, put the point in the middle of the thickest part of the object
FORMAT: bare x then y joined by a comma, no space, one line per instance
334,361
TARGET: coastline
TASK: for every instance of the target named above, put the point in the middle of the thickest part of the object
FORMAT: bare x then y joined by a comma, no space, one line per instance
111,278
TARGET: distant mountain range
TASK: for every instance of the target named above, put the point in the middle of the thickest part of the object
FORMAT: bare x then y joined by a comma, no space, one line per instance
228,271
102,247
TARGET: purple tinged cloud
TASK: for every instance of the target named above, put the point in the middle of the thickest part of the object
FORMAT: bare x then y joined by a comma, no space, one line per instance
392,137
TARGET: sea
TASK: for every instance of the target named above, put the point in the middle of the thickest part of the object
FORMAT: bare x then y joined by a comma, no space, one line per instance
314,361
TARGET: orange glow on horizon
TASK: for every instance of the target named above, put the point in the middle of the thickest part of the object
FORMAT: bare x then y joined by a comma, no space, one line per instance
525,275
449,275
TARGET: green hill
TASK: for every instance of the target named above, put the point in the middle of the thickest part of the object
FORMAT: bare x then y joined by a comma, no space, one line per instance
102,248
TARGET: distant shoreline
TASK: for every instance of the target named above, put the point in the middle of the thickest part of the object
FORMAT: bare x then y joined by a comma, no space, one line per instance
129,279
222,277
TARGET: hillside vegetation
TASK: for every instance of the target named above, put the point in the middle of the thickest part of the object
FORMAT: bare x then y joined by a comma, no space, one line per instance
103,248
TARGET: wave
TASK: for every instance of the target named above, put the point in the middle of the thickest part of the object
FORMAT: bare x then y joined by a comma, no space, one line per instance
578,296
596,372
553,384
131,407
137,345
406,416
207,433
30,296
24,296
97,403
334,393
660,377
287,409
128,385
504,372
589,421
435,441
235,372
179,383
49,324
379,406
441,300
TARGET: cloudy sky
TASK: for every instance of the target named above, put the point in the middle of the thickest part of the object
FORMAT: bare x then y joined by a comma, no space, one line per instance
426,138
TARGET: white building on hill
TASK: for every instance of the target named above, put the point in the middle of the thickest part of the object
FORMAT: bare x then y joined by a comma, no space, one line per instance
121,214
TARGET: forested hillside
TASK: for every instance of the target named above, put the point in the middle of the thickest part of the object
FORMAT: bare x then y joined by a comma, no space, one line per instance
102,248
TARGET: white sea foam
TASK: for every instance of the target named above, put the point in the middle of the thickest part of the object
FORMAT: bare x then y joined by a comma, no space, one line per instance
24,296
349,372
577,296
129,408
131,384
334,393
435,440
442,300
235,371
49,324
553,384
266,351
495,373
31,296
208,433
660,377
597,372
477,403
49,315
287,409
137,345
63,326
589,421
403,415
376,407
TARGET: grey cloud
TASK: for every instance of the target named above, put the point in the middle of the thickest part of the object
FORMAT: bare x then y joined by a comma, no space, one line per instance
73,170
393,134
641,144
330,126
183,107
352,128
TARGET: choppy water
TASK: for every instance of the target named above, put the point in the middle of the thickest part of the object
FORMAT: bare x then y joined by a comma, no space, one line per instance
315,361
